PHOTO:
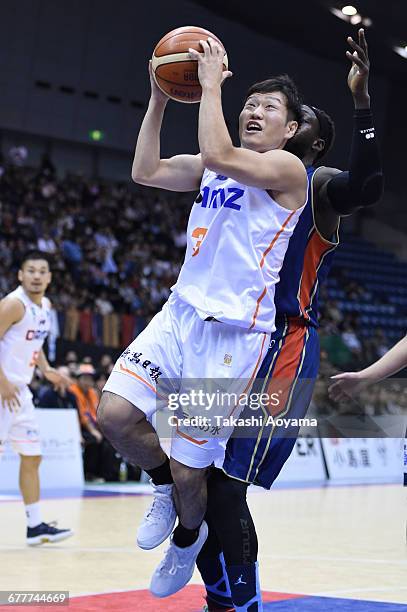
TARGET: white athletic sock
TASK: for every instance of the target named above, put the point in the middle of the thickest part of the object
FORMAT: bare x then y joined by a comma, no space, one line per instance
33,514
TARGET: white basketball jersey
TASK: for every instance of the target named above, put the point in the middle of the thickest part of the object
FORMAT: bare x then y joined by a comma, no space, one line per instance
237,237
22,342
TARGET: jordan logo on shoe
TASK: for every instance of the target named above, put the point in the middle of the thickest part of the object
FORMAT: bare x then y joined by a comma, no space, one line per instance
240,580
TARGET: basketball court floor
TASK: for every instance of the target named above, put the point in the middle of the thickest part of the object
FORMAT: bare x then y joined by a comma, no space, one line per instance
324,549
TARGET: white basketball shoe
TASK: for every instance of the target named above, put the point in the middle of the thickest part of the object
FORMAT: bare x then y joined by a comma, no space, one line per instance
159,520
177,567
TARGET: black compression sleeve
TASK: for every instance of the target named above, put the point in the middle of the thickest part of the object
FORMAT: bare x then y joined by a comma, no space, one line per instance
231,518
363,184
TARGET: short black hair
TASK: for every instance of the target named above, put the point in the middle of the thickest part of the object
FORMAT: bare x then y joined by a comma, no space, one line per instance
286,86
326,131
35,254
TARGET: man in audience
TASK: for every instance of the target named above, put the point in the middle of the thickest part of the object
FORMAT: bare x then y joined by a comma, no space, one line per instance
99,456
58,397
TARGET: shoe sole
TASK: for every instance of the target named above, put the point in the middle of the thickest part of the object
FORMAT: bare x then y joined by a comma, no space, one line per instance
162,595
163,538
46,539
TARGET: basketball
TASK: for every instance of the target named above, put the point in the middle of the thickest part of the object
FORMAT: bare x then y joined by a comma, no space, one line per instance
174,72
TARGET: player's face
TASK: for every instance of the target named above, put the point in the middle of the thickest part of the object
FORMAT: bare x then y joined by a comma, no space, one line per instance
306,135
263,124
35,276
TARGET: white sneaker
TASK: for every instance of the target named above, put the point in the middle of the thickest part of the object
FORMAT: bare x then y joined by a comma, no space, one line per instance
159,520
177,567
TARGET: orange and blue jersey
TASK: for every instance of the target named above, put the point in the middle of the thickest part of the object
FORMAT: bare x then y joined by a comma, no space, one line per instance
306,264
291,365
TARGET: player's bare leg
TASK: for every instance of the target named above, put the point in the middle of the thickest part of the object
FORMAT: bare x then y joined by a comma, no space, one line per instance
190,494
29,478
128,430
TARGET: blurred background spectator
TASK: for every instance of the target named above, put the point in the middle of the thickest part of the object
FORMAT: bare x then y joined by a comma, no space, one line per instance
58,397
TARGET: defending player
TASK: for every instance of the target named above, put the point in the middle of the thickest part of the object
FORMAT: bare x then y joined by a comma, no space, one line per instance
292,361
218,319
24,326
348,384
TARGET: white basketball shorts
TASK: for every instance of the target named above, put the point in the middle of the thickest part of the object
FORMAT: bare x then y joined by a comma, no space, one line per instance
179,352
20,428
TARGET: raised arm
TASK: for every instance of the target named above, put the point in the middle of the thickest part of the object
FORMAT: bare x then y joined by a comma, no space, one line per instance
274,170
341,193
179,173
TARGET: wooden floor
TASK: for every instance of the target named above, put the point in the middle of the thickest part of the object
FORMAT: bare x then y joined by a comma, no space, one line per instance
340,542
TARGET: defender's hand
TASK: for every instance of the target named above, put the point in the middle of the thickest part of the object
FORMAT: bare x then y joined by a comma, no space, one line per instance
358,76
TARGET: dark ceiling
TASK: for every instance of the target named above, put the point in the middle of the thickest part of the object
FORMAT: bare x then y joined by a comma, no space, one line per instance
309,24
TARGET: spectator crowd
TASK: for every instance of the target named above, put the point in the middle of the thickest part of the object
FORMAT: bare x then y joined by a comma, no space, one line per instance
116,252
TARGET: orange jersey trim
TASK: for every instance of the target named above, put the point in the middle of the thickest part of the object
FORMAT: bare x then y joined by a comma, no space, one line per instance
314,252
256,312
276,237
254,373
263,258
190,439
127,371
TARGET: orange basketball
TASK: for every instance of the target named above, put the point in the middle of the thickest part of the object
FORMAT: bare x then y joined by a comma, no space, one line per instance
174,72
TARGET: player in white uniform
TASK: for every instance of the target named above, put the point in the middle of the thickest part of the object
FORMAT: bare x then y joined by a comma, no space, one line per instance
217,322
24,325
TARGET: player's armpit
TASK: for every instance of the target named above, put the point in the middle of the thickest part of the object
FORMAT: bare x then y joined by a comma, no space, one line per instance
276,170
178,173
11,312
326,218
